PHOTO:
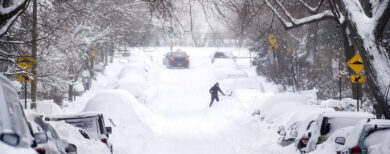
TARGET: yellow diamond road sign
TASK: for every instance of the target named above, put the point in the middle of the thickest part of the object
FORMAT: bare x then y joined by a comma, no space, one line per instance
25,62
24,77
94,49
272,39
358,78
356,63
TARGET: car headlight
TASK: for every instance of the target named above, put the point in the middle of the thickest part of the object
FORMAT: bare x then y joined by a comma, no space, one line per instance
10,138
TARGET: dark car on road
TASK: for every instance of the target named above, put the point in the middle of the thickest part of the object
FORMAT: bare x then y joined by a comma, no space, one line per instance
176,59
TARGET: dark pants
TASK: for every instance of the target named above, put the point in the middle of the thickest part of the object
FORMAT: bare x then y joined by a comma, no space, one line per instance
212,99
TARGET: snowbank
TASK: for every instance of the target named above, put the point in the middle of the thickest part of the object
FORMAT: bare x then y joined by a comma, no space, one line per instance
125,111
6,149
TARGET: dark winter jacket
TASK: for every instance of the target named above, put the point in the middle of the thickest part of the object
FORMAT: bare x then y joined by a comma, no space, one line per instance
214,90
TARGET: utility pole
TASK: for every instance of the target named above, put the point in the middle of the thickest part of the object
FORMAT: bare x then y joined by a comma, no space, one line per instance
34,55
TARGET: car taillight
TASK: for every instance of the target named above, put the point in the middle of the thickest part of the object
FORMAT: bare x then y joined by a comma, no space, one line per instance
338,152
356,150
40,150
305,139
172,59
104,140
186,59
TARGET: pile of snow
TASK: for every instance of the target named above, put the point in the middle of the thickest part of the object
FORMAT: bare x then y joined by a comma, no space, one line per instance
135,77
6,149
346,104
125,111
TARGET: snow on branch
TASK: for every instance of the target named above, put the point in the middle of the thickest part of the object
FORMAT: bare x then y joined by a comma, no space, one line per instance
293,22
312,9
9,14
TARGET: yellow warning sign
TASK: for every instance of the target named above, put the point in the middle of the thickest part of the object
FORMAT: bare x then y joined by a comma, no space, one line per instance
25,62
24,77
272,39
358,78
356,63
94,49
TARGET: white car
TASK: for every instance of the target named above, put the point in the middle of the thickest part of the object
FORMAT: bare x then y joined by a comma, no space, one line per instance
219,55
232,84
325,124
14,128
369,136
92,123
52,144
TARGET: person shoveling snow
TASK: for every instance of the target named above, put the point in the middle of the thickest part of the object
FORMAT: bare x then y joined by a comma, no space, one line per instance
214,93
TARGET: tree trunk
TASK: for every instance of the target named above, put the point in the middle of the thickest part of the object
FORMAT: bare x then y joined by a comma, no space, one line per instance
311,45
371,53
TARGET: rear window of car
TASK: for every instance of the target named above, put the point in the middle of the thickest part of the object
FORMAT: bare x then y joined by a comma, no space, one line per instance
341,122
220,55
179,54
375,137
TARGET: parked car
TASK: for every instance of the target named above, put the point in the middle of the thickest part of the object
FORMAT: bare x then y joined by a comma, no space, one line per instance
53,143
369,136
287,136
92,123
232,84
177,59
14,128
326,123
222,55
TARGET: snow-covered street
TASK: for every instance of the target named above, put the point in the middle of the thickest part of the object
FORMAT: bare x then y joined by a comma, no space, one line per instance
194,77
175,117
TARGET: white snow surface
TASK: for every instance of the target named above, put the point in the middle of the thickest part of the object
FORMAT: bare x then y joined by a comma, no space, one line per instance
174,116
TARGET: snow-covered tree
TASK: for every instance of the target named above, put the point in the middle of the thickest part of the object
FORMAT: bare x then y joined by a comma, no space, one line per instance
363,23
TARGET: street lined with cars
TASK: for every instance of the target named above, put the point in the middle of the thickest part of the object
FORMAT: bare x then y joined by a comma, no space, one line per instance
141,106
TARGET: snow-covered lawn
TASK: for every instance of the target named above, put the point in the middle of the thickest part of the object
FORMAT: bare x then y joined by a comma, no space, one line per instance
156,110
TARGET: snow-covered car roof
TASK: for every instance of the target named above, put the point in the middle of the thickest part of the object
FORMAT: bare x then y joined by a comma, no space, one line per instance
348,114
353,137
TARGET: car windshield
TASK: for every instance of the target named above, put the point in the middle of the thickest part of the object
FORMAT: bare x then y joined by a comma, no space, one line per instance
220,55
89,124
179,54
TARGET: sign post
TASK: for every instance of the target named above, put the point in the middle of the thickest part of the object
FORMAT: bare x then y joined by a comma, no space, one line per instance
356,64
273,47
26,63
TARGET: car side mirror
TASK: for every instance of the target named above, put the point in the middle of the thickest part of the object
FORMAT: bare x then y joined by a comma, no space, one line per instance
40,138
294,133
109,130
71,149
309,134
11,138
340,140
